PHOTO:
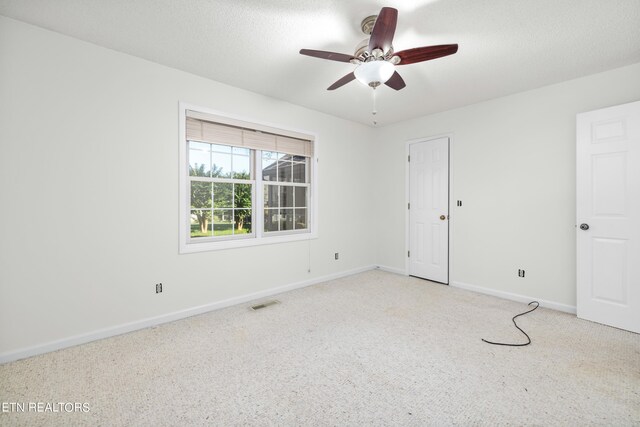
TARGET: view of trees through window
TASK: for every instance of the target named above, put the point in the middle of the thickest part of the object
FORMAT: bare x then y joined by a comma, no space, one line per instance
221,190
222,195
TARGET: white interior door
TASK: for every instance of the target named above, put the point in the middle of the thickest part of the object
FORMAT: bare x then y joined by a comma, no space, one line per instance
429,210
608,216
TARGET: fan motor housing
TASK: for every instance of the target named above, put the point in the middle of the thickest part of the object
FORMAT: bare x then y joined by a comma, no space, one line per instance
361,48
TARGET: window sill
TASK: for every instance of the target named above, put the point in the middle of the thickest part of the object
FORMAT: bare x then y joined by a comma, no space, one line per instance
194,247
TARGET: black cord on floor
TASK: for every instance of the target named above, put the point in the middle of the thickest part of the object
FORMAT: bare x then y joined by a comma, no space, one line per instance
514,322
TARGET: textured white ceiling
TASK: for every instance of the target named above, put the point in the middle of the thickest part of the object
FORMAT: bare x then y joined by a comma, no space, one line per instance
506,46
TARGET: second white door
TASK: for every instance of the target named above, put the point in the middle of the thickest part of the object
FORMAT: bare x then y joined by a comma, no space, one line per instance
429,210
608,216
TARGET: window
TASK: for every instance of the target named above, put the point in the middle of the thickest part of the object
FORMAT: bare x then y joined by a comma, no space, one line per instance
221,187
243,183
286,183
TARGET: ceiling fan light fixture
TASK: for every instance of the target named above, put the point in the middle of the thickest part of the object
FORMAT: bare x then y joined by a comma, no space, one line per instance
374,73
375,57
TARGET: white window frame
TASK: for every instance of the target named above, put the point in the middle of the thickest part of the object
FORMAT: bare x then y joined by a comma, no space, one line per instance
188,245
306,184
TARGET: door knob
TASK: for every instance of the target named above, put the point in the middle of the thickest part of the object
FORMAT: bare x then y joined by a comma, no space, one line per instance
584,227
442,217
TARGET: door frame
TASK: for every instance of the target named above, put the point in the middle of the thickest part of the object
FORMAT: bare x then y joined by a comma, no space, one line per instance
407,236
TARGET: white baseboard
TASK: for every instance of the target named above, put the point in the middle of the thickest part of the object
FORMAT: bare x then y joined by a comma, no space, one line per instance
515,297
392,270
165,318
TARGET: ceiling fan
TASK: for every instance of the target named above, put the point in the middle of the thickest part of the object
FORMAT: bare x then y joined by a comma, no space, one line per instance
375,58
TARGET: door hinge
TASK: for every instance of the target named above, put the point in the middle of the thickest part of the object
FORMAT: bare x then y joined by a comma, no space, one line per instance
408,254
409,205
409,158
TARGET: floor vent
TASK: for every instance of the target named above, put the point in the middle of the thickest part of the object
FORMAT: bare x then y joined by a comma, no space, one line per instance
265,304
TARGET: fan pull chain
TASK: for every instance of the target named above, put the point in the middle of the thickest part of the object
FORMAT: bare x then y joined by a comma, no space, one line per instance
375,109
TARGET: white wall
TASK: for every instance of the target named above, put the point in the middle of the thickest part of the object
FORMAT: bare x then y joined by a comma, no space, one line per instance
513,166
89,192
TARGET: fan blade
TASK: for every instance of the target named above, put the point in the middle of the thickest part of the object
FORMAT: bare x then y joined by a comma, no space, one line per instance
396,82
383,29
343,81
419,54
333,56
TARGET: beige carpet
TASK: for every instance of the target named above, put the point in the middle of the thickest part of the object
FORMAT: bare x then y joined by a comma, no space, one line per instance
370,349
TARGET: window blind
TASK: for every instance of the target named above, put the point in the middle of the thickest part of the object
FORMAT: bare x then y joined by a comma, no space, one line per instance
223,130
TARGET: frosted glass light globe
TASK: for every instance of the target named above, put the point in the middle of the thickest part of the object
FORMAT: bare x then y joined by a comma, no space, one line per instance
374,73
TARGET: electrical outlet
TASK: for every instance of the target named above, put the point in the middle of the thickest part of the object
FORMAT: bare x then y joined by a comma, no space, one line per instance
520,273
336,255
158,288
